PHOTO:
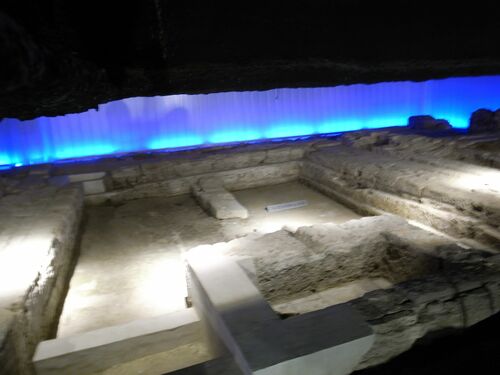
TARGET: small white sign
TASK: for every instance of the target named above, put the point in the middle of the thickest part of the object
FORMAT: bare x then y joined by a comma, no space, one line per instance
286,206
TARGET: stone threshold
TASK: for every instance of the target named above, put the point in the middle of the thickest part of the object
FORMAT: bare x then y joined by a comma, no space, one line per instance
95,351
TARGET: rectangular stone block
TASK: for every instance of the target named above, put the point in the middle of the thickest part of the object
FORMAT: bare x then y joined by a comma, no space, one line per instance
86,176
215,199
94,187
95,351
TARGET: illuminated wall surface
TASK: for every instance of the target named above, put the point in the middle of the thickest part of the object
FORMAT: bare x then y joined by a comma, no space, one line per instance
190,120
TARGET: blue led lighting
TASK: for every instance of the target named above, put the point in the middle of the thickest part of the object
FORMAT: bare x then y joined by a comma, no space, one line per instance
234,135
9,160
175,141
289,129
76,151
335,125
184,121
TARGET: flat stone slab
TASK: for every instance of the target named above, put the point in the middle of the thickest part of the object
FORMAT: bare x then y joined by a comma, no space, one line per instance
94,187
214,198
86,176
100,349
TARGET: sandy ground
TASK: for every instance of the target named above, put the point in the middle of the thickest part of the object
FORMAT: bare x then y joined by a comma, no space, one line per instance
131,264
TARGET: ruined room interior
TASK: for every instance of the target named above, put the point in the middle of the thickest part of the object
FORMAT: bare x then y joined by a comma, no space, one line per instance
235,188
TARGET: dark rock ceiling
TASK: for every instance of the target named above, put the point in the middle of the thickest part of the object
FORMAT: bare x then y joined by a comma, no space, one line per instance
60,56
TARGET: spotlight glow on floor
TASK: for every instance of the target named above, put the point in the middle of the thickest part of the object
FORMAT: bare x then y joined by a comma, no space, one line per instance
179,121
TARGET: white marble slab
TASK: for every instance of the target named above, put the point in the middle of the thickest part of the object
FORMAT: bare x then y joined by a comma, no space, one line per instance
98,350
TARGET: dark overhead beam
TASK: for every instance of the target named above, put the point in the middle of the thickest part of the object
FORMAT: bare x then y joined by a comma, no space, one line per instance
59,58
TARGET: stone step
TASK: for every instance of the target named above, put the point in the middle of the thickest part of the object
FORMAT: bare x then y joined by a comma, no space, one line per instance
216,200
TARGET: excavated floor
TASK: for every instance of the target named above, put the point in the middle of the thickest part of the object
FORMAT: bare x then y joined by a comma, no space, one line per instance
131,266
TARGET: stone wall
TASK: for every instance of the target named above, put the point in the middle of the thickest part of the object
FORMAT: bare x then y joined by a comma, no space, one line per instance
168,174
38,228
472,149
455,197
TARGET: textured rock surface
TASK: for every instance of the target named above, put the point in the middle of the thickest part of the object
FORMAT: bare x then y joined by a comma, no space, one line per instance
484,120
134,176
158,175
287,265
462,189
38,228
471,149
428,123
416,308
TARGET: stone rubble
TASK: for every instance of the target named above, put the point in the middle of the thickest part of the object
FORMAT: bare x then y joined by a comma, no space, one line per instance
484,120
428,123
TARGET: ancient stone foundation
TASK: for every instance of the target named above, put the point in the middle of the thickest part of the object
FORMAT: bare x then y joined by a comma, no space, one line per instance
422,261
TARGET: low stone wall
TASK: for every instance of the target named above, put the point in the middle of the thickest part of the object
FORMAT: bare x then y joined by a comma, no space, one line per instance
38,228
237,179
456,198
479,150
185,164
155,175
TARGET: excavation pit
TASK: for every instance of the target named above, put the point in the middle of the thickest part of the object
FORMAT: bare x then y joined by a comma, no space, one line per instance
146,238
393,239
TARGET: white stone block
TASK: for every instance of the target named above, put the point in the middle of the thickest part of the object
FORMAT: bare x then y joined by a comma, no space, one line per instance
215,199
94,187
97,350
86,176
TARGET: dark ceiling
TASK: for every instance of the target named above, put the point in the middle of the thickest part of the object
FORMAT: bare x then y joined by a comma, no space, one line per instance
61,56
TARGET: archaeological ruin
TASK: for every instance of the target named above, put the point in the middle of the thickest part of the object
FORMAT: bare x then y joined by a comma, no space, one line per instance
273,190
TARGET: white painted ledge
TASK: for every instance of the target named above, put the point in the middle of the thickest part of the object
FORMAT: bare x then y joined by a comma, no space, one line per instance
100,349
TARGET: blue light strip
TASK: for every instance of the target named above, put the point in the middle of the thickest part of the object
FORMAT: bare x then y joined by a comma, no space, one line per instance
139,124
